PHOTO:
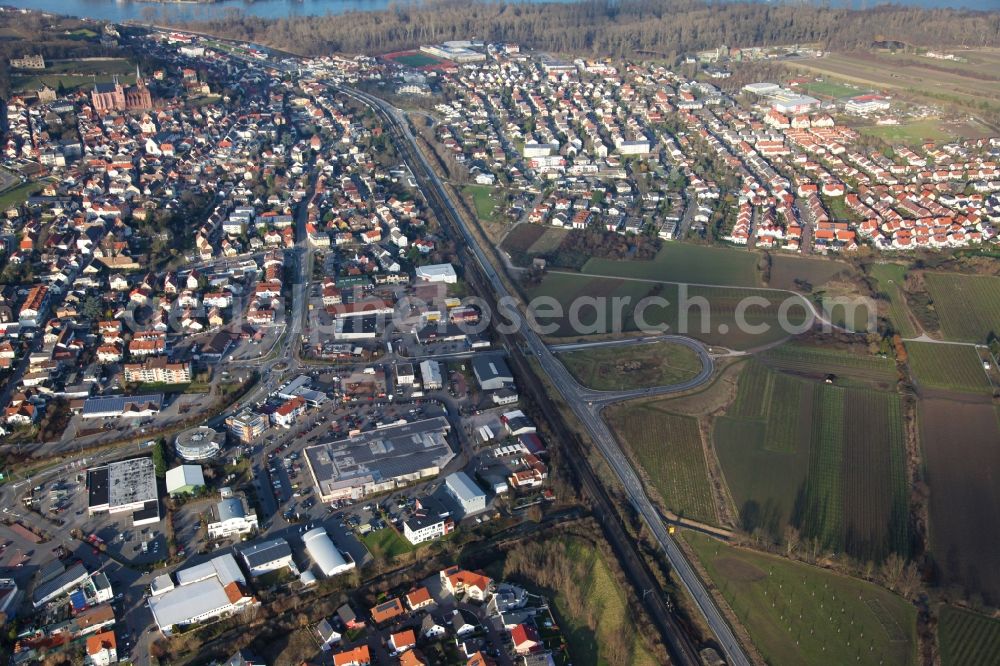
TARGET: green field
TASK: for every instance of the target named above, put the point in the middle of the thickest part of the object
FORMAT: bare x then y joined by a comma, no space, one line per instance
826,459
820,362
416,60
386,544
833,89
715,323
913,134
683,262
967,305
668,449
967,638
890,278
18,195
950,367
484,200
797,614
632,366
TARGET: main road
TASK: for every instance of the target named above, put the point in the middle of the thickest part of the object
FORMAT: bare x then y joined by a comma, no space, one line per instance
588,412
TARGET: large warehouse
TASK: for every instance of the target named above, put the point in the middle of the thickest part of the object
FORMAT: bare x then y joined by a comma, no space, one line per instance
322,551
379,460
126,485
203,592
125,406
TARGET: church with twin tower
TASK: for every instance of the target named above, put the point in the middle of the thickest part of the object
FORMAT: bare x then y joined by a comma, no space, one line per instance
108,97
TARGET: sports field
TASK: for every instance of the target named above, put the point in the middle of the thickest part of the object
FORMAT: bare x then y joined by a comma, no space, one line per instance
632,366
827,459
913,133
684,262
798,614
414,59
485,201
890,278
967,305
832,88
967,638
950,367
962,465
709,314
668,449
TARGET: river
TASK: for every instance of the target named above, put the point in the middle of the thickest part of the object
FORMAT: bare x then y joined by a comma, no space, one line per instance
123,10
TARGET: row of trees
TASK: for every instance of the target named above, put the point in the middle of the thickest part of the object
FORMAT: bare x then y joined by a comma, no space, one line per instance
607,27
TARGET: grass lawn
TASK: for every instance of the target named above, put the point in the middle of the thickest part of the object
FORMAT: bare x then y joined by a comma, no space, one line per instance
668,448
684,262
967,638
605,601
386,543
914,133
950,367
798,614
484,200
833,89
632,366
890,278
18,195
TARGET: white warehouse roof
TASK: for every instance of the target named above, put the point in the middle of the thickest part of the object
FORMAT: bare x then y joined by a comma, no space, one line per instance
324,553
183,476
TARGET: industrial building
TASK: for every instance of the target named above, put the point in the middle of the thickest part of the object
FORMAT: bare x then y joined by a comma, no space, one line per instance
443,273
470,497
203,592
126,406
325,554
492,372
430,375
265,556
184,479
58,585
126,485
379,460
200,443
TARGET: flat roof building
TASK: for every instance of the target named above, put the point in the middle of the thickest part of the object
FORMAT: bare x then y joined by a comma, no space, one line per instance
470,497
200,443
379,460
126,485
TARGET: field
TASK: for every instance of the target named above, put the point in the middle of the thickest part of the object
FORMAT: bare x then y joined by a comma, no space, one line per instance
962,462
826,459
913,133
949,367
890,277
798,614
634,366
683,262
788,272
706,313
526,241
668,449
967,638
967,305
818,362
386,544
484,201
919,77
